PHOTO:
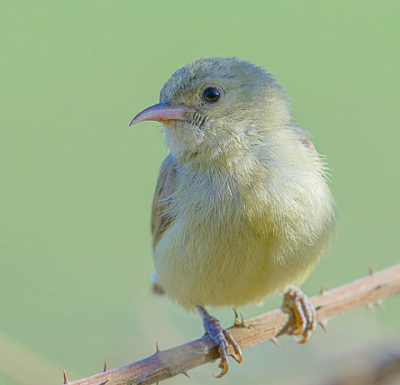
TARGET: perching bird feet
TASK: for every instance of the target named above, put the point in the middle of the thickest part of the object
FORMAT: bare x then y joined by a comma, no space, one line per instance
223,338
297,303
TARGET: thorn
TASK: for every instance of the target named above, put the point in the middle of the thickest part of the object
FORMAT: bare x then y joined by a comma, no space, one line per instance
370,307
324,325
371,270
65,378
380,304
239,320
275,342
323,290
104,382
185,373
105,366
157,348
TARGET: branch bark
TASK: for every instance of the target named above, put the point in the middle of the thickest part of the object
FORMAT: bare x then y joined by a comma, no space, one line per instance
367,291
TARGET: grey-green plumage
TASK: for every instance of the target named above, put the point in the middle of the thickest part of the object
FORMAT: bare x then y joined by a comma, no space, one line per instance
242,207
250,211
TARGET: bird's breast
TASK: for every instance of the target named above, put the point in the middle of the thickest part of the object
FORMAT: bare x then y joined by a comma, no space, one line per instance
233,240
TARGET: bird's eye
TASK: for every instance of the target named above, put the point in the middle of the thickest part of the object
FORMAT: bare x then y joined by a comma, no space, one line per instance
211,95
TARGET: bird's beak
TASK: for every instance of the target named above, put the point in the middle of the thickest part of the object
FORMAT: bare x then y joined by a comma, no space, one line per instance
161,112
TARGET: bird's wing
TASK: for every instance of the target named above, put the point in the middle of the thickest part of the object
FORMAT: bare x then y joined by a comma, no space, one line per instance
160,219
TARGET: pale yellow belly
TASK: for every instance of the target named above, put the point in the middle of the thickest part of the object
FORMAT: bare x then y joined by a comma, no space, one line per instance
212,268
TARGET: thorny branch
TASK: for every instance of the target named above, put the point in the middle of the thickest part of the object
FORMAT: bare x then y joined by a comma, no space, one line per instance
367,291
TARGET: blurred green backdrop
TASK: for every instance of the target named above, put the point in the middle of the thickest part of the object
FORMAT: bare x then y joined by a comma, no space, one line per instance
77,183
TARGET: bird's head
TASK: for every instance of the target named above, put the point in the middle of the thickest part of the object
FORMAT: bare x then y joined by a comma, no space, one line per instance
211,108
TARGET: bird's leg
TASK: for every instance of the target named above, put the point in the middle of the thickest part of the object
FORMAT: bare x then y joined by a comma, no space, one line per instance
296,302
223,338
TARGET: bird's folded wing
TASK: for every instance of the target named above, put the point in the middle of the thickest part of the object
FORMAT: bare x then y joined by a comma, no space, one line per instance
160,218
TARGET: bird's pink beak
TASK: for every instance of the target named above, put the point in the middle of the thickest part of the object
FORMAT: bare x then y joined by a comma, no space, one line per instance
161,112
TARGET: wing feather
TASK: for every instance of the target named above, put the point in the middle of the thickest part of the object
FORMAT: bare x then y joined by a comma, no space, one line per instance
166,183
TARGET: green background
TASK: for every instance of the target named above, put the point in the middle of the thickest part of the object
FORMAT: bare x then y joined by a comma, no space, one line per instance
77,183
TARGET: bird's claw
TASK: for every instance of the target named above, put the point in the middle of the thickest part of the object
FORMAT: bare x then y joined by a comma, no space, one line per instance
304,313
224,340
224,343
237,356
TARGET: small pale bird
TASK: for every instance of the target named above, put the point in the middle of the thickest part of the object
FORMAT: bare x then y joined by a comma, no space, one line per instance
242,208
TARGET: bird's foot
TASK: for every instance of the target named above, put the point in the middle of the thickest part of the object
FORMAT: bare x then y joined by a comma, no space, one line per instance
223,338
304,313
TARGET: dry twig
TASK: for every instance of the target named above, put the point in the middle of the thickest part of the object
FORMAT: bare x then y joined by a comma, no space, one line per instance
367,291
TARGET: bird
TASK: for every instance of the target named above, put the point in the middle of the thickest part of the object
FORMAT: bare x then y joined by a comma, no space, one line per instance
242,207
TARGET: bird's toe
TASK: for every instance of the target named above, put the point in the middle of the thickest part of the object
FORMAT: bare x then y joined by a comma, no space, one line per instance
296,302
